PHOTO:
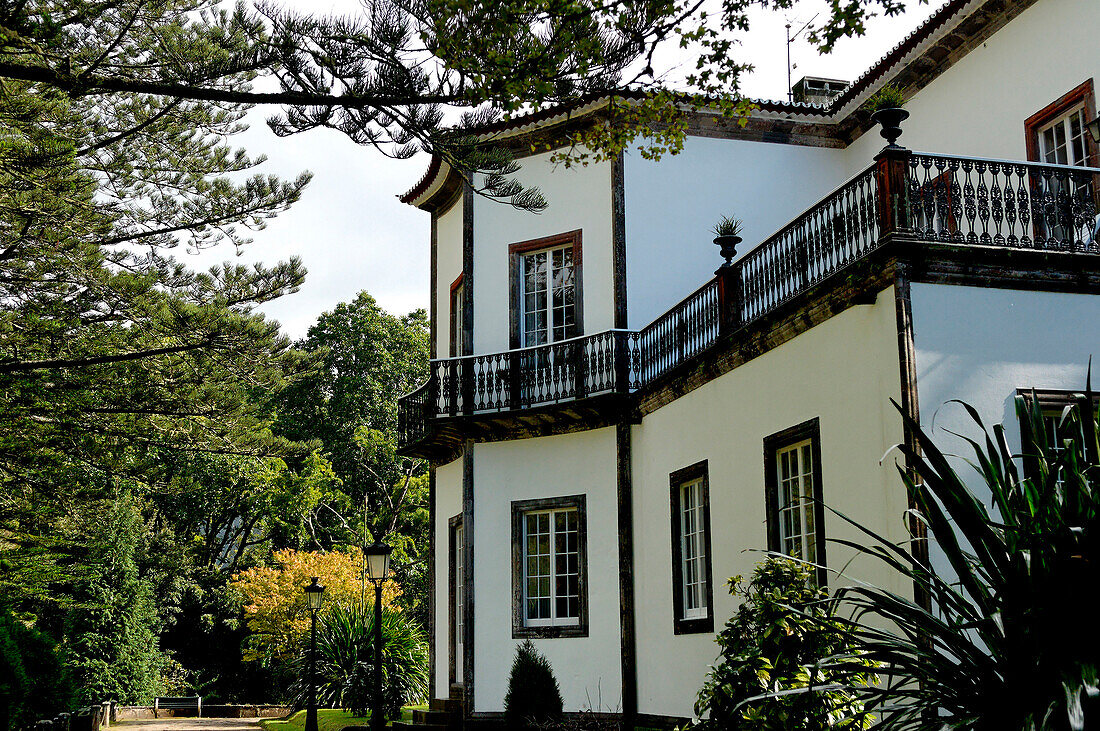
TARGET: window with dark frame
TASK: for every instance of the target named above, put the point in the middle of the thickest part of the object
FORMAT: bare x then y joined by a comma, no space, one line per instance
549,568
545,304
795,509
456,596
456,342
692,589
1052,404
1056,134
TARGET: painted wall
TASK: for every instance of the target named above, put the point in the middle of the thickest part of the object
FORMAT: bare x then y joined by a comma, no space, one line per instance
448,503
672,205
843,372
978,106
980,344
579,198
586,667
448,267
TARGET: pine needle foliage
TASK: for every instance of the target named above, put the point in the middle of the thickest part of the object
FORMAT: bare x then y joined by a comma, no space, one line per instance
533,695
1010,640
392,74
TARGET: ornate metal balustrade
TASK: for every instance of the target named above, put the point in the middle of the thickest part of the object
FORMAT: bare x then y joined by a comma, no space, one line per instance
1024,205
913,196
569,370
682,333
843,227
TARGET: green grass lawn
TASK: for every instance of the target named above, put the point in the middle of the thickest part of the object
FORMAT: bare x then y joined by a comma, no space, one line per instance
328,719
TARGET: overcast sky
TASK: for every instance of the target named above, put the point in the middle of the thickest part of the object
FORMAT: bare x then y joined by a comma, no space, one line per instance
353,234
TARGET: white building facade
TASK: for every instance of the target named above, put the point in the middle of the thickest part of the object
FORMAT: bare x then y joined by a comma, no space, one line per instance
614,429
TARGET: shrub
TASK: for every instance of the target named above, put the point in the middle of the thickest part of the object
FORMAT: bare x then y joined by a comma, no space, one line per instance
770,651
345,661
533,696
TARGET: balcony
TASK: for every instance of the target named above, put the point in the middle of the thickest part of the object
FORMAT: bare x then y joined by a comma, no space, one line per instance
946,203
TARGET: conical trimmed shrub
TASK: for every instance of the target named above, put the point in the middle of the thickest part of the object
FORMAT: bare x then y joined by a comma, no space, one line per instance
533,694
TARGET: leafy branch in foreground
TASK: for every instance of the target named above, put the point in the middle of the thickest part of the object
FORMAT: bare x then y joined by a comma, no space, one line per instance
1011,641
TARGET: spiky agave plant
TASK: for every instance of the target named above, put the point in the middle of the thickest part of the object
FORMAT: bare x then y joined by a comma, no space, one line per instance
1011,640
345,660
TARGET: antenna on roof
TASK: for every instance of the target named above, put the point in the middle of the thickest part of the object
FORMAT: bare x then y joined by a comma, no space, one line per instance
790,88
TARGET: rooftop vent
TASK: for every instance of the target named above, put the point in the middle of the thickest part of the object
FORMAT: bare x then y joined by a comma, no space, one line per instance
816,90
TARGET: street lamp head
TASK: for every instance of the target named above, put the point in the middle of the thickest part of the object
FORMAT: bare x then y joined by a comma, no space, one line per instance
378,561
314,593
1094,130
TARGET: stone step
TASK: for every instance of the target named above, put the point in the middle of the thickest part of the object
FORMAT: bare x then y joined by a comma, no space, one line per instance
432,717
446,705
402,726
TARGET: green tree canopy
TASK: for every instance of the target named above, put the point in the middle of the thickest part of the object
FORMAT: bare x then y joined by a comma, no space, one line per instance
349,404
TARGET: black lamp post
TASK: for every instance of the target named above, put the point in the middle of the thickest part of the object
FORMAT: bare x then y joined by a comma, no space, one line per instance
314,593
378,569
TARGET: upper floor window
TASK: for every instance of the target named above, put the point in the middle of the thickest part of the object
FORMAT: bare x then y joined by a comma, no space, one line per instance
793,480
546,291
691,572
549,568
457,340
1057,135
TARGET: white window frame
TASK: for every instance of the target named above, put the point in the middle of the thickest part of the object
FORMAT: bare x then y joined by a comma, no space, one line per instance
555,556
802,506
693,549
556,327
554,624
1065,122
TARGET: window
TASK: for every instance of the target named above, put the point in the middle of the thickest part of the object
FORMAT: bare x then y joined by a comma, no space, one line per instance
457,597
1052,404
549,568
546,276
457,341
692,595
1056,134
796,514
1062,142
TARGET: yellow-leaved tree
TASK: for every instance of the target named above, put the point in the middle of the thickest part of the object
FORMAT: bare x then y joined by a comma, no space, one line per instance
275,602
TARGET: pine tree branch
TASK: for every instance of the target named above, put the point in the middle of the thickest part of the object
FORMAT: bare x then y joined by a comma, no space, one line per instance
100,85
133,130
59,363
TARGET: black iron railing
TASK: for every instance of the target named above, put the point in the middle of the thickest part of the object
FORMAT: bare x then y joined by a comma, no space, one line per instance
918,196
1000,203
568,370
680,334
841,228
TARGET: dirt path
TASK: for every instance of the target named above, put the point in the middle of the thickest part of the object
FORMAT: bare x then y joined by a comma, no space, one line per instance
189,724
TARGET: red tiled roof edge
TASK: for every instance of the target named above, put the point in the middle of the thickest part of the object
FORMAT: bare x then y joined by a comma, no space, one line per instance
424,183
891,59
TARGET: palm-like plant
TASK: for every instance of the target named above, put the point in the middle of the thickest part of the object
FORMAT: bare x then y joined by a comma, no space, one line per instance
1011,640
345,660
